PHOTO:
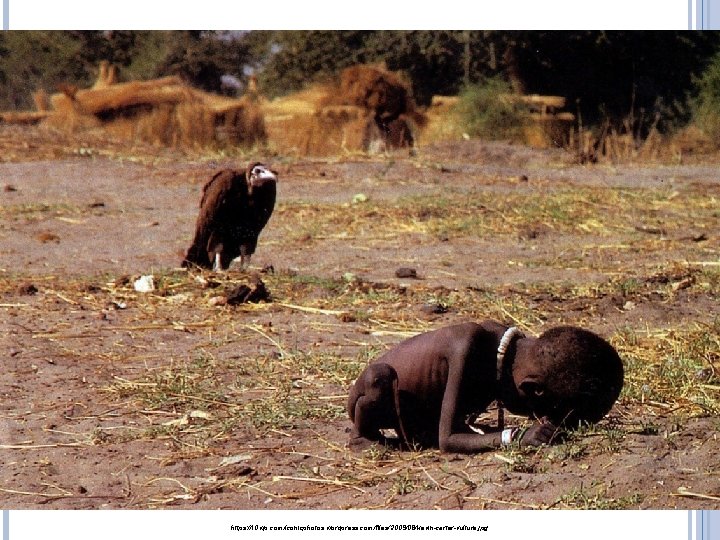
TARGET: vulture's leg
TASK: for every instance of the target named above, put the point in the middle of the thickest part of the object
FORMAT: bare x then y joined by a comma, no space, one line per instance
217,266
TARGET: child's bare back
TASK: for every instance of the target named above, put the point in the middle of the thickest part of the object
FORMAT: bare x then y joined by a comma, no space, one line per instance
425,387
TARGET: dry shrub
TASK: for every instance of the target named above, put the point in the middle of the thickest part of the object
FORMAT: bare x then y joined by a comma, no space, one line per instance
387,95
324,132
156,126
692,140
107,75
620,145
366,109
305,102
442,122
400,133
23,117
194,125
293,128
244,124
41,100
491,111
66,116
546,131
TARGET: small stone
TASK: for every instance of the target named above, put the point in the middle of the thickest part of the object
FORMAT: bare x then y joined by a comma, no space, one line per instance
144,284
27,289
434,308
347,317
407,273
253,293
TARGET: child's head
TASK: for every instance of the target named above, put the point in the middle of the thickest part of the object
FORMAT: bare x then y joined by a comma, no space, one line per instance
570,375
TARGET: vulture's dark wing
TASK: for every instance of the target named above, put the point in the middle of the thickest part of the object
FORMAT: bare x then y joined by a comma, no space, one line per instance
263,201
222,199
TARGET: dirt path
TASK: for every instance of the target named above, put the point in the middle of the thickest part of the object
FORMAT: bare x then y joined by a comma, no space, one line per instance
116,399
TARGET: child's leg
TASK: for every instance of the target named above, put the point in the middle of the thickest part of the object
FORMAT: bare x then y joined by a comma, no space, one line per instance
374,404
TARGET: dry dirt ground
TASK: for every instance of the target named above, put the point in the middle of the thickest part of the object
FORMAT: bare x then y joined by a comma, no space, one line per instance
112,398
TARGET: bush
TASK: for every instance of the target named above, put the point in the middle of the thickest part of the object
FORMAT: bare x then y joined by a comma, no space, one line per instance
482,111
706,104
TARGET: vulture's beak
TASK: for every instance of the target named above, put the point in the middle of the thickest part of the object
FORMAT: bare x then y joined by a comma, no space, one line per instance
260,174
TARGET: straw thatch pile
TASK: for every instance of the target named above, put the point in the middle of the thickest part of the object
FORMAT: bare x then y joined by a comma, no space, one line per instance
163,111
547,125
366,109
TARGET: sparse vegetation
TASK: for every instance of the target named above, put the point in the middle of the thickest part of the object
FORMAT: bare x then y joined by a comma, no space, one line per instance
596,498
485,111
706,104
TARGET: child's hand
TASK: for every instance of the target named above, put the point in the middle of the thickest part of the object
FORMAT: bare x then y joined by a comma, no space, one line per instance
538,434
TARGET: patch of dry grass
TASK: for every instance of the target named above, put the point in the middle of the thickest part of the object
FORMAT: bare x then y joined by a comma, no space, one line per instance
672,370
242,374
582,211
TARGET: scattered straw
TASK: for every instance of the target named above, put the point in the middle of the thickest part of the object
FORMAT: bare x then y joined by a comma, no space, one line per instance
35,493
36,446
684,492
509,503
308,309
334,481
257,330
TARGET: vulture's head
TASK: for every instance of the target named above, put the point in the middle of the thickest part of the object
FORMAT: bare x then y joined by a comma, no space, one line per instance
258,175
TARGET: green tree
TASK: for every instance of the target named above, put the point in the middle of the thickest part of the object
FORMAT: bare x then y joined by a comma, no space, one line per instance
35,60
202,58
117,47
614,76
706,103
293,59
431,59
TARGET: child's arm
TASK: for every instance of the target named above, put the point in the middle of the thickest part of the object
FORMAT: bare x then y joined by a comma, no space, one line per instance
451,439
469,443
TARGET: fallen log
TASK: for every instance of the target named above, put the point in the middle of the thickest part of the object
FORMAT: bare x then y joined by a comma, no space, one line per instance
25,117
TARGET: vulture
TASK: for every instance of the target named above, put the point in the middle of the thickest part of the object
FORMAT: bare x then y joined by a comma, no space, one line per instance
234,207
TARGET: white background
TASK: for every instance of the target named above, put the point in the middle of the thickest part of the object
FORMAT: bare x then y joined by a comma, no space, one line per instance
215,525
341,15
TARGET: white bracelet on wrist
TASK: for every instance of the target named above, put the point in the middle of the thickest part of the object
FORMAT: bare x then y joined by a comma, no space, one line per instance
506,436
